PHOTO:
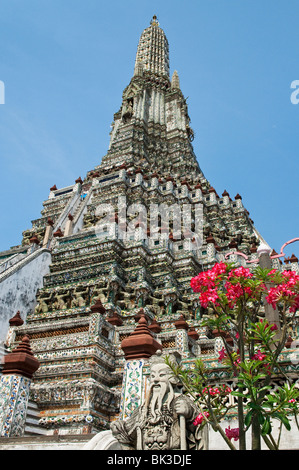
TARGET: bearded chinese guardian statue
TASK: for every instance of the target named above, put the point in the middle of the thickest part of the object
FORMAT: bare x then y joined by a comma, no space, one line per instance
165,420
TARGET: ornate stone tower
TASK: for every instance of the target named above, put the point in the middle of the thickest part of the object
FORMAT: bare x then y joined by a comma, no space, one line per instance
109,259
152,128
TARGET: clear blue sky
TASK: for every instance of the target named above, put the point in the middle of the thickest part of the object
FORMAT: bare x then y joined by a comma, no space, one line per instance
65,64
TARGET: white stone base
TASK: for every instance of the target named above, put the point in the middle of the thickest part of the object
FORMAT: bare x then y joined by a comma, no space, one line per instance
103,441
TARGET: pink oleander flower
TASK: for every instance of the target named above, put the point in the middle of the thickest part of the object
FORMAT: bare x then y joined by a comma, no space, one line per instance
207,279
222,355
273,326
285,292
219,268
224,389
210,295
292,400
291,277
273,271
203,280
199,419
240,272
259,356
237,361
232,433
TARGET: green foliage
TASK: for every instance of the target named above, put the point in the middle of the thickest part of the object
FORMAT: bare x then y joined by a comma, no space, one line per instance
236,296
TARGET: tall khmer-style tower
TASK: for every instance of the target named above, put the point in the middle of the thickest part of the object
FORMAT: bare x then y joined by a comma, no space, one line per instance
87,282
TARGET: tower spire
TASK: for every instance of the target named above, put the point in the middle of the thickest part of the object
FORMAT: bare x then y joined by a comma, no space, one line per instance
153,50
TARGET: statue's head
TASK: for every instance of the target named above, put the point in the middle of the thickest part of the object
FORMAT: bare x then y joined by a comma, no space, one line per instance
160,375
161,378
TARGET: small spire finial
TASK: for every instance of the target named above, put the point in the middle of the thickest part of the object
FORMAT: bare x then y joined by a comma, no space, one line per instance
175,81
154,21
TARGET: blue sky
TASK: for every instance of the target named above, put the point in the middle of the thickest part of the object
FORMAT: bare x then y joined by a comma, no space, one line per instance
65,64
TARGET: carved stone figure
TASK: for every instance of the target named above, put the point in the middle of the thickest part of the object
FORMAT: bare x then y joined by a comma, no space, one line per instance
165,420
81,297
44,303
127,110
59,302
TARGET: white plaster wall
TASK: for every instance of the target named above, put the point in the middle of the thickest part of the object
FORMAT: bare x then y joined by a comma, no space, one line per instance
289,439
17,292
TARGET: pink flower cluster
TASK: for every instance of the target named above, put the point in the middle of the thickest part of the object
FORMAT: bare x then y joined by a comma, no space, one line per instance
206,279
224,390
232,433
210,286
235,291
205,284
240,272
288,290
259,356
222,355
199,419
273,326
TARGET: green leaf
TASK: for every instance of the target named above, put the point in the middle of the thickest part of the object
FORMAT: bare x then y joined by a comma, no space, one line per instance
248,417
260,418
266,387
283,419
239,394
286,422
266,428
254,406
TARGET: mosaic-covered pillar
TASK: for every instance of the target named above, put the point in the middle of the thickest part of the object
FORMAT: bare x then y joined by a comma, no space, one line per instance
211,250
133,388
138,347
265,262
182,341
19,367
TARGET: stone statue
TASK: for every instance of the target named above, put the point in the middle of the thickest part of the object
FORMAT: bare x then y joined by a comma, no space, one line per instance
81,297
127,112
165,420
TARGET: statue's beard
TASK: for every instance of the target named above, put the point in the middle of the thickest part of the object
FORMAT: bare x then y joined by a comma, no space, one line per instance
157,398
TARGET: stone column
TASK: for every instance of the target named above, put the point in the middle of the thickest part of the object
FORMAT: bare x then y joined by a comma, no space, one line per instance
48,234
211,250
14,322
69,226
154,180
238,200
265,262
138,347
182,343
169,183
185,189
213,195
198,191
34,243
226,199
19,367
138,176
